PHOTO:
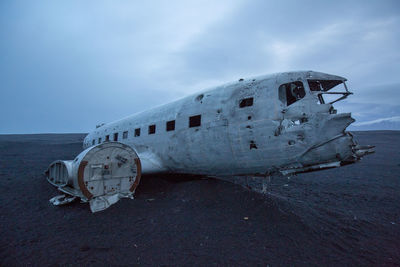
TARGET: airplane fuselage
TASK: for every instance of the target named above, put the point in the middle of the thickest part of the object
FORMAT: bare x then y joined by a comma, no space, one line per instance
250,127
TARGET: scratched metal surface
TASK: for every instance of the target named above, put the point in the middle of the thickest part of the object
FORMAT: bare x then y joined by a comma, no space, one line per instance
232,141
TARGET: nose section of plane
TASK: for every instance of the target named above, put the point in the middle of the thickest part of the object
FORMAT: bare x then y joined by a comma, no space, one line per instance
330,141
331,145
348,150
358,152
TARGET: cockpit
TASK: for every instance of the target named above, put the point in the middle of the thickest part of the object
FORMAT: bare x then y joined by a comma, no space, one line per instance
337,90
327,91
291,92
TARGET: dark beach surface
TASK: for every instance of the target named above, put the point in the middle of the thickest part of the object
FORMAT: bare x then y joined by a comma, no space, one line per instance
343,216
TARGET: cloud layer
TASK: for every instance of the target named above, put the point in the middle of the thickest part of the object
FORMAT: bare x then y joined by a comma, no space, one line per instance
66,66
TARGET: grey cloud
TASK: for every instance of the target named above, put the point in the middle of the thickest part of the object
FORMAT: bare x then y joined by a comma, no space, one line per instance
330,39
66,66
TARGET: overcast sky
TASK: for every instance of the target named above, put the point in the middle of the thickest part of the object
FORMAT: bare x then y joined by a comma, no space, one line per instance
66,66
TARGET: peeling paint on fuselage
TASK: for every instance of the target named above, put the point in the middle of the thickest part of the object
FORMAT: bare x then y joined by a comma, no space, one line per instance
256,139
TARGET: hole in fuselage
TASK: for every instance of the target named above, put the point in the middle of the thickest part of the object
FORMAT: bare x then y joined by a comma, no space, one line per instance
199,97
253,145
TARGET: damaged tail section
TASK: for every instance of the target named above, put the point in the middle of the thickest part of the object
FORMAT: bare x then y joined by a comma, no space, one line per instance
100,175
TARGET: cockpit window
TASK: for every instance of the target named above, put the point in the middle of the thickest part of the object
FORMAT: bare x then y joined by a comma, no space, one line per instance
291,92
323,85
335,87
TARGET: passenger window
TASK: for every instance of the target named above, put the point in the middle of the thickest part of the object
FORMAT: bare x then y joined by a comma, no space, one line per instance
99,141
115,136
125,135
195,121
170,126
247,102
137,132
107,138
291,92
152,129
93,142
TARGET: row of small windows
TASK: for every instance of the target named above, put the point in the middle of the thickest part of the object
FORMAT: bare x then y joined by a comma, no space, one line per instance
194,121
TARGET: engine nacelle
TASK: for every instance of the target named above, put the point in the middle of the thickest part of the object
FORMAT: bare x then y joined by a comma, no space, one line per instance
100,174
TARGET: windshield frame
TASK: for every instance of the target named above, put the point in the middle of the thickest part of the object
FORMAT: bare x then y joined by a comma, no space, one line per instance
325,86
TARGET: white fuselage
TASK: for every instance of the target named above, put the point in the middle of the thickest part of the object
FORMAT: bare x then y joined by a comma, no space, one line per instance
246,127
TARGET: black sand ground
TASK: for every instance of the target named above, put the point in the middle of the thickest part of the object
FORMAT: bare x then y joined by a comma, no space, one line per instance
345,216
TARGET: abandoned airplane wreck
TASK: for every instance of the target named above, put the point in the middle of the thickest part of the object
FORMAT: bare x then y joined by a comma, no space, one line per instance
278,124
